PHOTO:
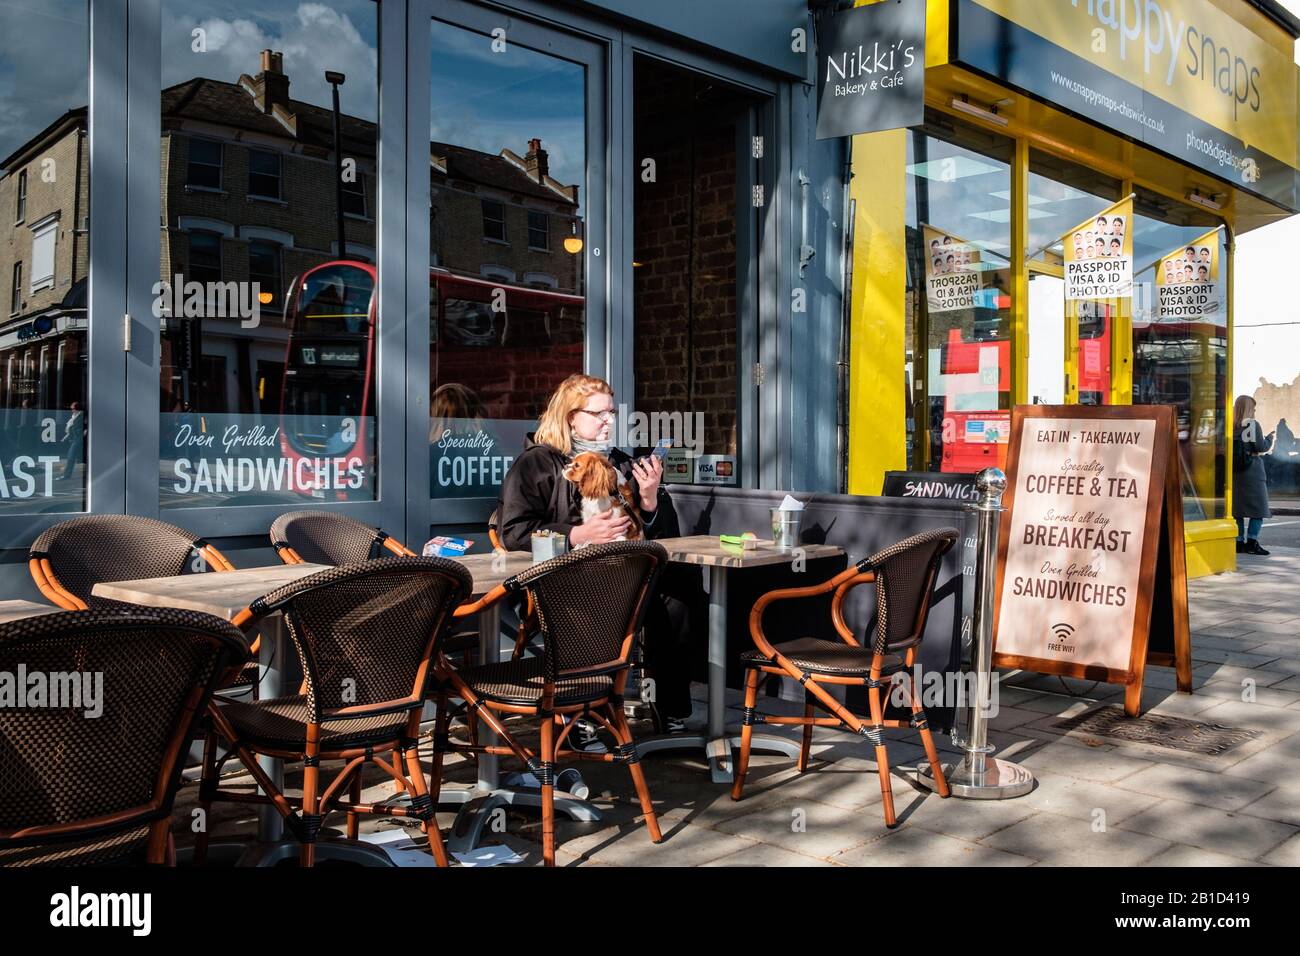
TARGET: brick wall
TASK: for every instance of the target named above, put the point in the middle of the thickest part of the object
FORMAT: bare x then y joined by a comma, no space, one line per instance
685,283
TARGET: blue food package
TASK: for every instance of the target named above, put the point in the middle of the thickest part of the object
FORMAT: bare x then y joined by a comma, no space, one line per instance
444,547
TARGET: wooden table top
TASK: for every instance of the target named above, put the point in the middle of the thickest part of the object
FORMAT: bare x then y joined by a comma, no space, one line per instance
226,593
490,569
223,593
707,549
17,610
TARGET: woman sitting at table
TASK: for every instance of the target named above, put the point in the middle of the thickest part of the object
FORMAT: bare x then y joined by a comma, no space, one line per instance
536,496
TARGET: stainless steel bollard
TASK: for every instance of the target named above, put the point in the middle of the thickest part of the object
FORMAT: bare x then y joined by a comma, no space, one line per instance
980,775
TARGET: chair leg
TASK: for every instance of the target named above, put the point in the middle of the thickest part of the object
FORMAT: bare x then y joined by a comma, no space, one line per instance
548,790
931,752
207,783
416,776
354,794
440,724
746,732
310,796
882,757
806,747
618,720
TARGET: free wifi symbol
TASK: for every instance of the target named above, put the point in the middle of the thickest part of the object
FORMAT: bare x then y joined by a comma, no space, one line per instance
1062,631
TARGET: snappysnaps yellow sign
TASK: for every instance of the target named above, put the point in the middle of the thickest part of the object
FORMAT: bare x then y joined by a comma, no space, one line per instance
1190,53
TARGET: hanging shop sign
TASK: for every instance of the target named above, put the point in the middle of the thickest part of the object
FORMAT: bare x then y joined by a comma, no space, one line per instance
1098,255
1185,77
953,272
1092,573
1187,281
871,68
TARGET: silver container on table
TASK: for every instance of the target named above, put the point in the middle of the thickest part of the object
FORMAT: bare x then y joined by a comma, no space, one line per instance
785,528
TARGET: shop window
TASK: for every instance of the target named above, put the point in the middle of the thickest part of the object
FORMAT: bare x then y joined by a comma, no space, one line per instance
958,345
263,174
204,170
498,346
1071,345
283,369
494,220
45,63
1180,339
539,231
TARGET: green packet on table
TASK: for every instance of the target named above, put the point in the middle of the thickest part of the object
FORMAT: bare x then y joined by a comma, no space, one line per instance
748,540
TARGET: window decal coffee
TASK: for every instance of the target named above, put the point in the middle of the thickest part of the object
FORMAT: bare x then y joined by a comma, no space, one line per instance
871,68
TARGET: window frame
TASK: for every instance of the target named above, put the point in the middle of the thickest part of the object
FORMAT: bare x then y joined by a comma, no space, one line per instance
48,227
221,258
220,164
358,191
483,205
277,250
279,174
20,199
16,291
545,230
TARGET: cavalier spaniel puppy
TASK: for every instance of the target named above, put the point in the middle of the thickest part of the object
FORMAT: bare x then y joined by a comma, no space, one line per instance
602,487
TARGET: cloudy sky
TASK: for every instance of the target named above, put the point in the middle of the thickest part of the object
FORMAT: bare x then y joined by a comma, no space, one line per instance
1267,340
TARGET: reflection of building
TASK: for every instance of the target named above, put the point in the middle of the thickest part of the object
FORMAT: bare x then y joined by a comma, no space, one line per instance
503,217
43,260
248,196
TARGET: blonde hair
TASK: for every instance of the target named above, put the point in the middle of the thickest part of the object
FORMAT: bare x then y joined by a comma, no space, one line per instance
1239,410
554,428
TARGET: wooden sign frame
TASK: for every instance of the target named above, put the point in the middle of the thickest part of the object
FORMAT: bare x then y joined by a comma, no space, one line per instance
1161,631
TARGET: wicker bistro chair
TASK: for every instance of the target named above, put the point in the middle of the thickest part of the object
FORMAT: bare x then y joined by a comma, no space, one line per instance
98,790
904,575
366,636
69,559
526,611
589,606
322,537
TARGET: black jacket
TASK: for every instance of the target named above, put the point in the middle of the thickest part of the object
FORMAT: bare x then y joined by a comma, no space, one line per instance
536,496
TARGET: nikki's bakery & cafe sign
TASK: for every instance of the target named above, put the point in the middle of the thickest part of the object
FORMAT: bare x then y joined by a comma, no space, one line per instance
871,68
1092,572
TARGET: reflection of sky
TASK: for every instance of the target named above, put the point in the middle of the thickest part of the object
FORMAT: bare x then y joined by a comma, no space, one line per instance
44,61
961,190
314,37
492,101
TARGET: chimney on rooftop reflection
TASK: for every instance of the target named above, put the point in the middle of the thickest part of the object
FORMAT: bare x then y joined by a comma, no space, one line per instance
536,161
271,86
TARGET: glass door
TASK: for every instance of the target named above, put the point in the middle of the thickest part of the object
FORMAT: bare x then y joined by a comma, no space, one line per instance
515,241
264,374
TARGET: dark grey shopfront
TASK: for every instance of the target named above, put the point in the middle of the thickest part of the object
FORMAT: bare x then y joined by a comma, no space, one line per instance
637,185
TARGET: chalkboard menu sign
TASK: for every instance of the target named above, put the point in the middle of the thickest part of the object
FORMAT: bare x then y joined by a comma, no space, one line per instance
1092,571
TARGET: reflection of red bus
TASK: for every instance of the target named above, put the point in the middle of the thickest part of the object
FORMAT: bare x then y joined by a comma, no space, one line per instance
507,346
975,437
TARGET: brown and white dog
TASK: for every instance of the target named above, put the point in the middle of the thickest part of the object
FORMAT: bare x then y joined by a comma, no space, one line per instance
602,488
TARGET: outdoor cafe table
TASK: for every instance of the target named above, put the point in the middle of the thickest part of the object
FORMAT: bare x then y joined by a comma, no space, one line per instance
718,559
18,610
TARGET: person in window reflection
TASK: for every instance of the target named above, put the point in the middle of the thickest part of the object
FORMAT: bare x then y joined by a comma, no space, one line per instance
535,495
1250,505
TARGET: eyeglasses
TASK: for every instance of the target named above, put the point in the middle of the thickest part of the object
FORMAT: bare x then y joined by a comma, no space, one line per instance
608,415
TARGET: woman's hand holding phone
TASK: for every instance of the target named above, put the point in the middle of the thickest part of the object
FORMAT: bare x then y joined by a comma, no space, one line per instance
649,474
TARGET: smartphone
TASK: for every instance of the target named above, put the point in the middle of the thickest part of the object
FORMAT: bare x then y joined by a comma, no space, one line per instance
661,448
